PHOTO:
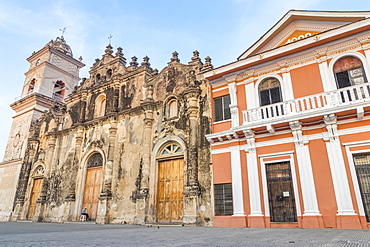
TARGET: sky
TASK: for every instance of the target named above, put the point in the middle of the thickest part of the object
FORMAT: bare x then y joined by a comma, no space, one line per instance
221,29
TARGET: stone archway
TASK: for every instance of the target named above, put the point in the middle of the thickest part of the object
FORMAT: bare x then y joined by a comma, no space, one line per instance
92,187
37,180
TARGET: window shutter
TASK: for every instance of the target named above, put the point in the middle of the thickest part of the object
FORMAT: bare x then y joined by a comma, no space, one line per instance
227,102
265,97
218,109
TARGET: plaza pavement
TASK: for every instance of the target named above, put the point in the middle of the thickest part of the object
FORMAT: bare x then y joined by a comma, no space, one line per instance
87,234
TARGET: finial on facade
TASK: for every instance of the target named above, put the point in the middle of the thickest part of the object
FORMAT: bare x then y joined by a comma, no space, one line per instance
119,51
195,55
145,61
119,54
208,65
175,57
109,50
149,93
195,60
134,62
155,72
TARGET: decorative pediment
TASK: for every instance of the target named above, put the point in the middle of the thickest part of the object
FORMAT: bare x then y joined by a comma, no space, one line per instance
297,25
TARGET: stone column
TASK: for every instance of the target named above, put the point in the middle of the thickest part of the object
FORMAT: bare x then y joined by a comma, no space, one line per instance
70,213
40,206
19,212
142,192
256,216
106,194
191,192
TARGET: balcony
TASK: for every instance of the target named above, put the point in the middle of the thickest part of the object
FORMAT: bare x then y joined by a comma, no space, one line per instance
313,105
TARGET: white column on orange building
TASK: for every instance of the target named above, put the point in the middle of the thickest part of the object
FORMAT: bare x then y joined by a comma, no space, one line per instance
327,77
253,177
250,94
233,104
337,167
311,207
366,48
287,85
237,185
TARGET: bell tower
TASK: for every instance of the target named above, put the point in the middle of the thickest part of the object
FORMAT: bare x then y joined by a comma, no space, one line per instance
52,76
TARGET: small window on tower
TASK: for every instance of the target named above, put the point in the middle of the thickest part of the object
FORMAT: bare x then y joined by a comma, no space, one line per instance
59,89
38,62
31,86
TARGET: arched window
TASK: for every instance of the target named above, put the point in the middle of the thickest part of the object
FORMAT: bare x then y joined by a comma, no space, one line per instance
38,62
97,79
95,160
59,89
100,104
269,91
31,86
171,108
349,71
171,149
39,171
109,74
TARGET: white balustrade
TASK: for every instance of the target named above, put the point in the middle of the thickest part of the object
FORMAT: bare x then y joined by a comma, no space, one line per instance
317,102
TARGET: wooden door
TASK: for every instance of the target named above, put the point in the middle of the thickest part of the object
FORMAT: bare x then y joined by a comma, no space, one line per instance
36,190
362,165
92,191
280,192
170,205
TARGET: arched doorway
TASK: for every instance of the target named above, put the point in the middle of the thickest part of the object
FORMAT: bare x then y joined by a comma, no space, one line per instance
170,198
93,184
37,178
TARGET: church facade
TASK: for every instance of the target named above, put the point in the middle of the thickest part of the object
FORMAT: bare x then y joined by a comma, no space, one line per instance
290,136
128,143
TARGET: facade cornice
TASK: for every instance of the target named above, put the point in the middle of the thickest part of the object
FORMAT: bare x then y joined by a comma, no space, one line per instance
321,39
51,49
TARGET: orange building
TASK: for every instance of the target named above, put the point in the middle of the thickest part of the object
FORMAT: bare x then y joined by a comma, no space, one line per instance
291,136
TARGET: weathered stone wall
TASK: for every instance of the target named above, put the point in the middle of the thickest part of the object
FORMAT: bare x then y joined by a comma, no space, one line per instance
129,136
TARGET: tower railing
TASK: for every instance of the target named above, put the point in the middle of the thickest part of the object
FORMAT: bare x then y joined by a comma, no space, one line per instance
43,91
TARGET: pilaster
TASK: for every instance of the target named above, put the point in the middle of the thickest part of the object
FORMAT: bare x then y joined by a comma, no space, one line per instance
237,183
338,171
310,204
255,218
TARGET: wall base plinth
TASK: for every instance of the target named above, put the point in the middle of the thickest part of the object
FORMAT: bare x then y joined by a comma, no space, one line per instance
256,221
348,222
312,222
